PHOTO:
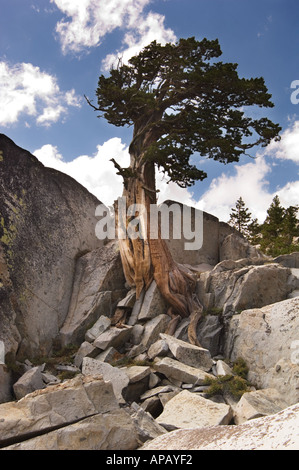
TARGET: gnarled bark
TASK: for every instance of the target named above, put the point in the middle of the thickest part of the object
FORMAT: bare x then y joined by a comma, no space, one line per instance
145,258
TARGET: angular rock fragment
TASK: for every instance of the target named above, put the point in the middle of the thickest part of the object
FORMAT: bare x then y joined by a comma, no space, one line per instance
152,329
137,373
188,410
99,327
128,301
86,350
114,430
109,355
115,337
55,406
98,282
259,403
264,338
117,377
153,303
174,369
29,382
156,391
159,348
223,369
189,354
276,432
146,426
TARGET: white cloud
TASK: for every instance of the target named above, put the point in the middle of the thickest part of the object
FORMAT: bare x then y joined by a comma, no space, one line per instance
171,191
249,182
289,194
87,22
50,114
91,20
98,175
146,30
26,89
288,147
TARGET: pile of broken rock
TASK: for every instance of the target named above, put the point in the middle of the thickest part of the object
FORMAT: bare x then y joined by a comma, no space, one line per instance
135,386
132,384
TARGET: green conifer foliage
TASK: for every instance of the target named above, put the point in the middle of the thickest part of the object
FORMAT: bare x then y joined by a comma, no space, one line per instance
240,217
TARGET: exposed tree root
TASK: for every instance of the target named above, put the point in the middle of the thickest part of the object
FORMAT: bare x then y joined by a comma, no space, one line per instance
145,258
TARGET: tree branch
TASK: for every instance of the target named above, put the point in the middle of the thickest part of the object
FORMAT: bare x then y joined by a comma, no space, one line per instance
90,104
124,172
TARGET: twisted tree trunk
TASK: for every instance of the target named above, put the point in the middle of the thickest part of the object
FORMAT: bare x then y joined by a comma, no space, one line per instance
145,258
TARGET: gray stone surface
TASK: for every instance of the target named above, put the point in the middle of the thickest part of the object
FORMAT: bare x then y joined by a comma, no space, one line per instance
147,428
86,350
188,353
277,432
267,339
108,355
5,384
236,247
47,220
99,327
151,333
113,431
236,285
174,369
29,382
55,406
137,373
98,284
159,348
114,337
118,377
153,303
259,403
188,410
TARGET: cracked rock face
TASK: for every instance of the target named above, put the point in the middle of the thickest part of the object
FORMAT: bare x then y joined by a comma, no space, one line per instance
47,220
82,413
277,432
264,338
58,283
236,285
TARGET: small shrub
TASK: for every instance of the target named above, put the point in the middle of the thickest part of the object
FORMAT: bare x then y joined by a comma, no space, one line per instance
234,385
67,374
240,368
227,384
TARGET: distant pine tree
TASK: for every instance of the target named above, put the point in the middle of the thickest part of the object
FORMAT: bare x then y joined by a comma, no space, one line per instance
254,229
291,225
280,231
279,234
240,217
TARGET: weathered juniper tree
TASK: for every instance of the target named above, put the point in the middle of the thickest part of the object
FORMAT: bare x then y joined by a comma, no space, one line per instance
180,101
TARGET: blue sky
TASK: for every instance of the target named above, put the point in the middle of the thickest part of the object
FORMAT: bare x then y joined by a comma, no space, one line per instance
52,52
